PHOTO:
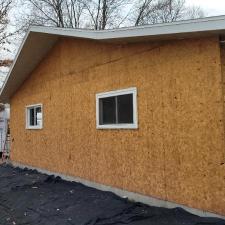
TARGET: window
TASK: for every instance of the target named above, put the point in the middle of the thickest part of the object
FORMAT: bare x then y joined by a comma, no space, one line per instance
34,117
117,109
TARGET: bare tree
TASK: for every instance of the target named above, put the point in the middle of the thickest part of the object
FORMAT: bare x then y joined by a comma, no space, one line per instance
6,62
94,14
106,13
5,38
194,12
171,11
4,68
163,11
144,10
74,11
59,13
4,22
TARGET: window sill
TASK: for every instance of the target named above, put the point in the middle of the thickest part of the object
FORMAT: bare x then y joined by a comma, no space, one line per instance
118,126
34,128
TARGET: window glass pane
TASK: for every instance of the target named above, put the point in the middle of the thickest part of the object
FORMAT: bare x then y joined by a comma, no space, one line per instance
35,116
125,108
31,117
38,116
107,110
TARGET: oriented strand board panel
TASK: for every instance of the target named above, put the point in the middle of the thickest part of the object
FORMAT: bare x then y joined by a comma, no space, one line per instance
177,152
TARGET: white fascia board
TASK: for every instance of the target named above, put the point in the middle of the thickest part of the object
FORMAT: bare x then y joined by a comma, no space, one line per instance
210,24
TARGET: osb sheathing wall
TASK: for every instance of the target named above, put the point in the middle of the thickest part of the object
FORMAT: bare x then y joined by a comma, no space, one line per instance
178,150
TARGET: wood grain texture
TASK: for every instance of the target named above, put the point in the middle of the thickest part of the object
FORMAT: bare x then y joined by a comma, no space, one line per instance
176,153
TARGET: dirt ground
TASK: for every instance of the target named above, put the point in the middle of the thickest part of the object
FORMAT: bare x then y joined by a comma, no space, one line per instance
30,198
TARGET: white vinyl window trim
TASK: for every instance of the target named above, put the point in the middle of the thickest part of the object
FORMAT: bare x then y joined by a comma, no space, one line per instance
134,125
27,113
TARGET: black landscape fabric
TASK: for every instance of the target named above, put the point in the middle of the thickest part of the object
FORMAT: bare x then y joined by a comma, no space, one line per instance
28,197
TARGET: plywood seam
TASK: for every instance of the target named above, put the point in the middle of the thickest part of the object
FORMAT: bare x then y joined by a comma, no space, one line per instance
117,60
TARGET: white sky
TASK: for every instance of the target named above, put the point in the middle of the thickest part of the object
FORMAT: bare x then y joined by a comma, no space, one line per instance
211,7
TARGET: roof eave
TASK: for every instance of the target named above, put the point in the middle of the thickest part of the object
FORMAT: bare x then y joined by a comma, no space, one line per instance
30,53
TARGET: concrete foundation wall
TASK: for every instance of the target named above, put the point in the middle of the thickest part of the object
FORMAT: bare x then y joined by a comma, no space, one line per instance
177,152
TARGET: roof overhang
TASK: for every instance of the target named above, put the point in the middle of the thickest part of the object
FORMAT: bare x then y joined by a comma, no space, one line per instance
39,40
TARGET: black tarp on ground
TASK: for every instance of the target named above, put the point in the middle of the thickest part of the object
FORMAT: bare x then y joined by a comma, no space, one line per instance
28,197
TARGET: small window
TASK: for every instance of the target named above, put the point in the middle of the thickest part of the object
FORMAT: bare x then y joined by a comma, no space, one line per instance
34,117
117,109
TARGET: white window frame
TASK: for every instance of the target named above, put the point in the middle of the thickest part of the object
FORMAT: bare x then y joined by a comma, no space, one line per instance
28,126
133,125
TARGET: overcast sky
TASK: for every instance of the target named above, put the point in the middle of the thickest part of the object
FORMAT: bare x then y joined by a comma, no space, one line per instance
211,7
